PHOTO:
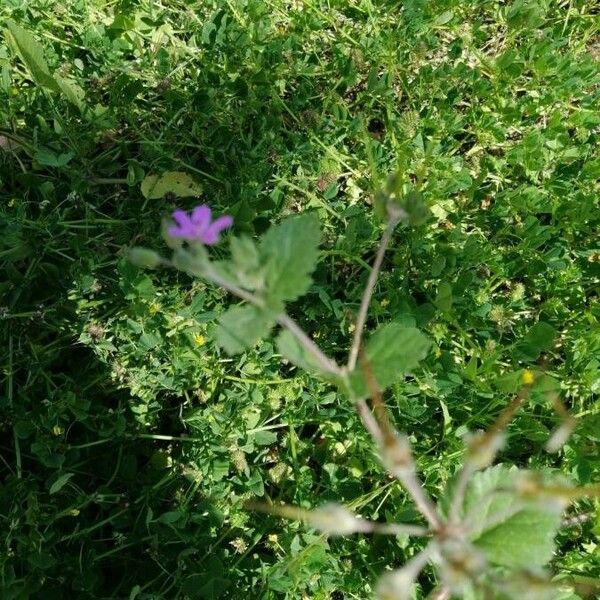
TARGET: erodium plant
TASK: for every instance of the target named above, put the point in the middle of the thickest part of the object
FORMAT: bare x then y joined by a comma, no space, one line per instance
491,532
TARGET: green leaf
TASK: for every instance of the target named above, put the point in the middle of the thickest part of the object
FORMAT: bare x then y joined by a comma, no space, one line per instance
443,300
32,54
289,348
246,265
537,340
289,252
144,257
444,18
60,483
172,182
510,532
47,157
242,326
392,351
71,91
391,199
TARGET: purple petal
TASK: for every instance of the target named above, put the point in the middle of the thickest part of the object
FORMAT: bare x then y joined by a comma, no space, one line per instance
201,216
180,232
182,218
211,235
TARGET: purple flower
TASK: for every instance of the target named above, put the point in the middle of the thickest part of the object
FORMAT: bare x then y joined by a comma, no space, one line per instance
199,227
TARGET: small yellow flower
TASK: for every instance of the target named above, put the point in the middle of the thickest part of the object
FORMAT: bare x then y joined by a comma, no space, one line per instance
199,339
351,327
73,512
153,308
385,302
528,377
57,430
12,202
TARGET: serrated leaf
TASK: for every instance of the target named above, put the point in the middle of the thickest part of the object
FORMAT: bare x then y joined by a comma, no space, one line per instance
289,252
171,182
32,54
246,265
524,540
391,352
510,532
242,326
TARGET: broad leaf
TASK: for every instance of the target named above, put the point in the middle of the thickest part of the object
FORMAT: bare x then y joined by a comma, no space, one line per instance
289,252
392,351
508,530
32,54
537,340
172,182
242,326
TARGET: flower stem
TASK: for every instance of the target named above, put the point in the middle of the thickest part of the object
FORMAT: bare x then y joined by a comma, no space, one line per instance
368,293
327,364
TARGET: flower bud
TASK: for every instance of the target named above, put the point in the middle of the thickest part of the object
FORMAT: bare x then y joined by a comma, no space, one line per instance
145,258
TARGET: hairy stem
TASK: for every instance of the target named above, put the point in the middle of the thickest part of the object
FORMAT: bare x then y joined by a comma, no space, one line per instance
327,364
368,293
423,502
458,497
369,421
404,578
440,593
400,529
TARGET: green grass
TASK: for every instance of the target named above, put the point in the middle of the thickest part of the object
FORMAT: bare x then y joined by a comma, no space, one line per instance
127,447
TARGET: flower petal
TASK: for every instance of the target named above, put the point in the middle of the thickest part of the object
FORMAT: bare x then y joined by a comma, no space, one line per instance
201,216
179,232
211,235
182,218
